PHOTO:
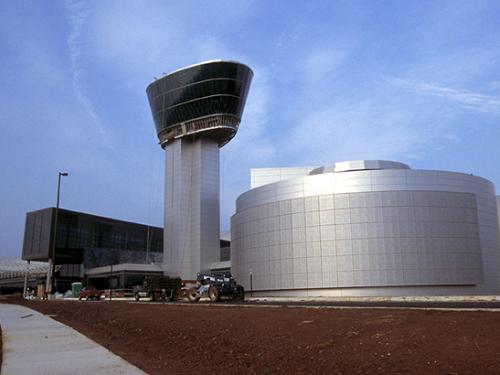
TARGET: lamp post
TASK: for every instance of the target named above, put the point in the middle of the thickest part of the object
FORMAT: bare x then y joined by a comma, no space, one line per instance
251,283
110,280
50,283
26,276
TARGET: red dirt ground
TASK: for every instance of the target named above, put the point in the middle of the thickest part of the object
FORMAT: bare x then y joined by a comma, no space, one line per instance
187,339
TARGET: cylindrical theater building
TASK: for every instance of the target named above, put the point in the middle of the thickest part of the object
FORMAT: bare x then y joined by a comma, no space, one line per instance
368,228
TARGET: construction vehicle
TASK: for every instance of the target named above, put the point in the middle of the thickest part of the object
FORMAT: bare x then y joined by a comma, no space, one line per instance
158,288
215,286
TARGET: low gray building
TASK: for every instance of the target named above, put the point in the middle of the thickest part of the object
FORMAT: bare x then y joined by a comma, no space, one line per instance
99,251
85,242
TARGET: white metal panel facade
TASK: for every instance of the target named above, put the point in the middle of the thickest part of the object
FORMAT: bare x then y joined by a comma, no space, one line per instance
369,232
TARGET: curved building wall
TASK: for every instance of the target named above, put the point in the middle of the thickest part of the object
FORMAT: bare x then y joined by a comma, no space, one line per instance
370,232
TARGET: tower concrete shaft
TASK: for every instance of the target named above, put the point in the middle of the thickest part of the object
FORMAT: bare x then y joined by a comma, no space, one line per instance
191,207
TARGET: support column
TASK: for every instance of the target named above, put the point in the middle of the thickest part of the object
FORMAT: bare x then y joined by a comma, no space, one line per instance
50,275
26,276
191,234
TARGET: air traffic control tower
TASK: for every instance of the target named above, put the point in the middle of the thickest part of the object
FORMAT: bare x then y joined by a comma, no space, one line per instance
196,110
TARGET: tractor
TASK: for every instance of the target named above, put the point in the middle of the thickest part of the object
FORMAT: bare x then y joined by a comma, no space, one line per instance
215,286
158,288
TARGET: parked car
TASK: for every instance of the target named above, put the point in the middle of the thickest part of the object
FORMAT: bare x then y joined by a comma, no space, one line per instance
90,294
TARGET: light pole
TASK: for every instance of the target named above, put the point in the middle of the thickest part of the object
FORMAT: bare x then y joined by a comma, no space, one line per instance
251,283
111,280
26,276
50,285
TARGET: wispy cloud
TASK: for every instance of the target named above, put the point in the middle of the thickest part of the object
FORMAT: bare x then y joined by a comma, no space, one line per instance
321,63
356,130
468,99
77,15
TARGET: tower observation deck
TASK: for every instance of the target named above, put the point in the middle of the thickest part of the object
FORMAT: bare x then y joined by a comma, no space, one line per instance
205,100
196,110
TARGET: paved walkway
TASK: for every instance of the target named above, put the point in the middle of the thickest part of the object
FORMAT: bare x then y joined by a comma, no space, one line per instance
37,344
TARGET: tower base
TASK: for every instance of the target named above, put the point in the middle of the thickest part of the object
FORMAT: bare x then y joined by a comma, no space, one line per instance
191,234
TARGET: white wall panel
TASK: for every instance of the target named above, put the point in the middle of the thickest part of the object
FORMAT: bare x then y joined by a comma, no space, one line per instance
377,229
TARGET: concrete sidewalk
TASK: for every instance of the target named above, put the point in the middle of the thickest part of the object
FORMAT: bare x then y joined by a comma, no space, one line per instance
37,344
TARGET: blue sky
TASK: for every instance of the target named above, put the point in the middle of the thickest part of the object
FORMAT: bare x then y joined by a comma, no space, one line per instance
414,81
